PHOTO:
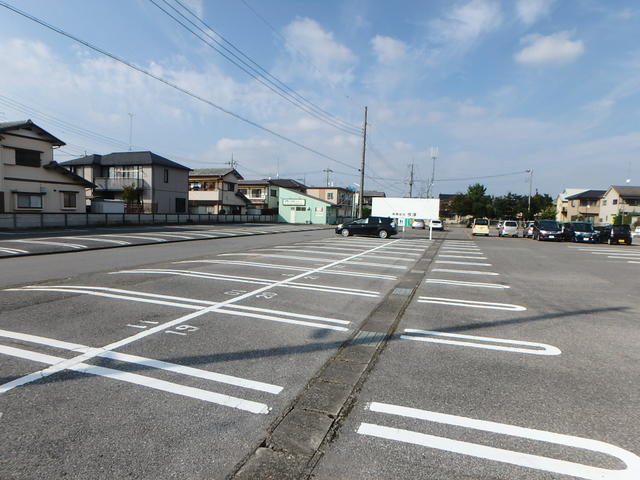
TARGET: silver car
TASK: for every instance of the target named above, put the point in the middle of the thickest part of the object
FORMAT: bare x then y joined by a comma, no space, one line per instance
417,223
509,228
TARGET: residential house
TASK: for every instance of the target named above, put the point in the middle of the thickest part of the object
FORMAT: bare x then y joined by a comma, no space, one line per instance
297,207
160,185
620,200
369,195
562,203
215,190
30,181
584,206
263,194
342,197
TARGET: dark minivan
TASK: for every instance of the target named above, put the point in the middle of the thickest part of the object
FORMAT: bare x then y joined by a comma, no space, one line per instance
580,232
547,230
616,234
382,227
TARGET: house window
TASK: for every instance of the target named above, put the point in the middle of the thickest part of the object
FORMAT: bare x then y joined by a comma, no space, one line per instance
614,201
329,195
256,192
632,202
573,203
228,186
166,175
27,158
181,205
243,191
69,199
123,171
604,202
274,192
301,209
27,200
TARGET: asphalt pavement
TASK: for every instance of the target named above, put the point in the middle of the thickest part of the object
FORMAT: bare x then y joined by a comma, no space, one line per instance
306,355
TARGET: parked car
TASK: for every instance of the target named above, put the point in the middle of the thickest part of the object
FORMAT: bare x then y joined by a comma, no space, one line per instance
436,224
499,225
527,232
580,232
616,234
382,227
480,226
418,223
509,228
547,230
602,231
636,232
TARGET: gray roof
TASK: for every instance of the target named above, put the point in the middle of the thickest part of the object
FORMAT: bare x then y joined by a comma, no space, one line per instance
253,182
627,191
589,194
287,183
125,158
28,124
373,193
58,168
214,172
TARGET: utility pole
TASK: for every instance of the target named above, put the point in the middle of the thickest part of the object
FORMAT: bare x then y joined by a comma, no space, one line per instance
530,172
364,151
130,131
232,163
327,171
434,156
411,182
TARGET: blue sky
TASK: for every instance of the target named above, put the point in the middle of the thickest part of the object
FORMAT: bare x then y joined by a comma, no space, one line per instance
497,86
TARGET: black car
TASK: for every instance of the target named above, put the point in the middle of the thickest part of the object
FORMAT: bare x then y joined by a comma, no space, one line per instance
382,227
580,232
547,230
603,233
616,234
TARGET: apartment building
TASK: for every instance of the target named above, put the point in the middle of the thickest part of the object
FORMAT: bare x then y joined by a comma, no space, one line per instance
30,181
215,191
159,185
263,194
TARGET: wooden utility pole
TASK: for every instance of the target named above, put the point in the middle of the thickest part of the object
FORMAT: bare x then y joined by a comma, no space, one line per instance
364,151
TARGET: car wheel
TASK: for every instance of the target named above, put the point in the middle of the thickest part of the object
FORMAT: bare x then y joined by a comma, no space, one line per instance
345,232
383,234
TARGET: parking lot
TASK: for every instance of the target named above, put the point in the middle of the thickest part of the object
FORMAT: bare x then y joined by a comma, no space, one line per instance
513,359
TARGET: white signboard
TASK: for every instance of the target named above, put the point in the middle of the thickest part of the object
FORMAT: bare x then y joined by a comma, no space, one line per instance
293,201
406,209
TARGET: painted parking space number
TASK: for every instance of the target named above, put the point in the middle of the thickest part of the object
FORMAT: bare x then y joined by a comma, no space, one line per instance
267,295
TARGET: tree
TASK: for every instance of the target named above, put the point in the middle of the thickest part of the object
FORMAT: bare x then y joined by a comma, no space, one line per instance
548,213
130,194
475,202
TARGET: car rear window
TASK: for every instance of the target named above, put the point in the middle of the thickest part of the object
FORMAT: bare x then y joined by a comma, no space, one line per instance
481,221
510,224
549,225
620,228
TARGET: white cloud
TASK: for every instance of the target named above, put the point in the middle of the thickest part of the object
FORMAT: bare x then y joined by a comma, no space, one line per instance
331,59
529,11
388,50
557,48
464,24
196,6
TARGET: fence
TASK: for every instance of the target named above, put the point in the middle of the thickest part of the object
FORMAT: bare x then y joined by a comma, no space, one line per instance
12,221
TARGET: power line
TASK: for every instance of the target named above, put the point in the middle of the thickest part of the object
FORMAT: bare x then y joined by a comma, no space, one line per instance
171,84
258,73
483,177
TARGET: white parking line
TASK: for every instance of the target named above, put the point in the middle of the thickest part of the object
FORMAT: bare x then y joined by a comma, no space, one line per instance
53,244
206,395
97,239
149,362
471,303
472,341
253,280
138,237
465,272
350,250
315,259
12,251
383,256
462,256
562,467
453,262
466,252
70,363
461,283
278,266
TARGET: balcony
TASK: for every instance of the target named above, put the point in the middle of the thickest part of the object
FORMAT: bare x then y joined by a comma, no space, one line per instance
117,184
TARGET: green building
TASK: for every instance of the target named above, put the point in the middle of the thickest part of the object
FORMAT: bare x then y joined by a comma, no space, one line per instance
297,207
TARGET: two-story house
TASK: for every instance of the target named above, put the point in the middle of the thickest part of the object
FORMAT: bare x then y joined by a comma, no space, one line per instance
584,206
215,190
263,194
619,200
562,204
154,184
342,198
30,181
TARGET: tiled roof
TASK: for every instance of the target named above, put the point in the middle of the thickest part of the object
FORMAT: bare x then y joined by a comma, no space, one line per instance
125,158
28,124
587,194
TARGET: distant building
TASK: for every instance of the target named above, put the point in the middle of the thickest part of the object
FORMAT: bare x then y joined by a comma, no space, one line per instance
562,203
339,196
297,207
30,181
263,194
445,201
369,195
620,200
584,206
160,184
215,191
